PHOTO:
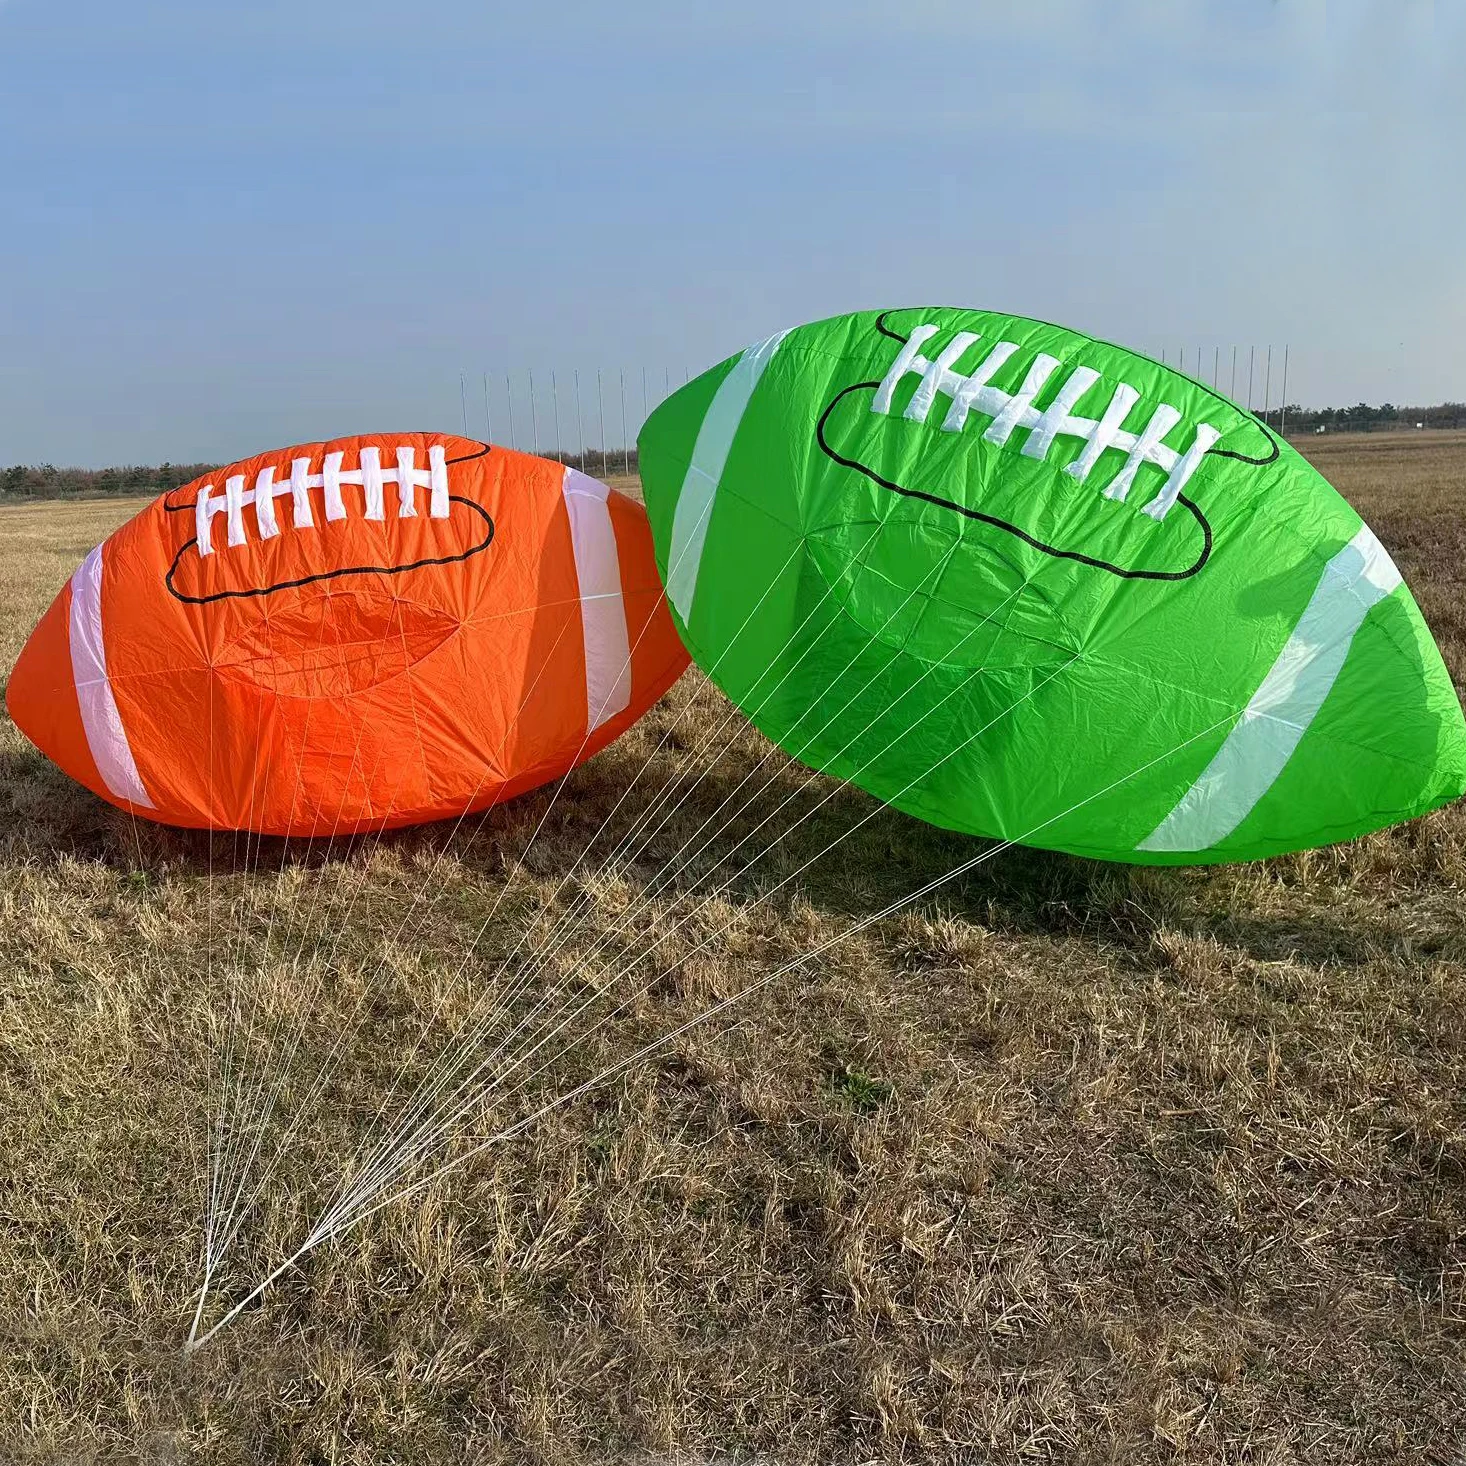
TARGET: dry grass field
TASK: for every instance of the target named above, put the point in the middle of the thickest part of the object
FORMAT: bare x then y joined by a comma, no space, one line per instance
1066,1163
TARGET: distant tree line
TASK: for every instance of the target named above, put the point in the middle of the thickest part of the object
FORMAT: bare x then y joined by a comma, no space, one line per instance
50,482
1362,418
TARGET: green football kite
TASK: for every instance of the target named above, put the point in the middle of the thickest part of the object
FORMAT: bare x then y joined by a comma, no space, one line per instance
1026,584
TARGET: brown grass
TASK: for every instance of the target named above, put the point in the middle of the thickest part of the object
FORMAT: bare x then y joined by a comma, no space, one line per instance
1075,1163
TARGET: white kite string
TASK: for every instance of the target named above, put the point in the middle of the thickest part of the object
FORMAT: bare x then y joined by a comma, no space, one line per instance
460,1046
436,1126
318,1085
269,1048
465,1051
455,1043
318,1235
229,1232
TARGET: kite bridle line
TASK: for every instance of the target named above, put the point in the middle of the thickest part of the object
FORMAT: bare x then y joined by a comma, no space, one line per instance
430,1093
349,1028
371,840
318,1084
320,1235
430,1134
464,1048
418,1121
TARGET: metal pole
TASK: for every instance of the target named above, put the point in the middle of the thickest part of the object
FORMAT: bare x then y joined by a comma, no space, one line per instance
1233,392
579,422
463,401
1251,358
666,382
488,416
1216,366
534,422
1267,391
509,393
601,403
625,444
555,399
1283,419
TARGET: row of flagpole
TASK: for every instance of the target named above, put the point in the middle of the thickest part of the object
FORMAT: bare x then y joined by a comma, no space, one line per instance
552,438
554,441
1198,370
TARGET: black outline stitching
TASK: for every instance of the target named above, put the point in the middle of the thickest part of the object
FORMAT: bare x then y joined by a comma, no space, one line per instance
997,523
236,595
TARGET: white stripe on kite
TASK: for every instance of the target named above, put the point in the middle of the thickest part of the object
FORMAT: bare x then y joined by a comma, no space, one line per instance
602,609
1274,721
709,457
106,736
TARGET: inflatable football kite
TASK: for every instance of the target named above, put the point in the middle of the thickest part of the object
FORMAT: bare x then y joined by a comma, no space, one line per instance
1022,583
351,635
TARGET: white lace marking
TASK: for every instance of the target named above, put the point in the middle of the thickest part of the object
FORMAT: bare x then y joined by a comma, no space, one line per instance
1056,415
1107,433
1160,506
1162,420
203,510
406,499
973,391
906,361
940,376
371,477
331,477
1011,411
234,507
1019,407
300,499
265,504
371,482
437,482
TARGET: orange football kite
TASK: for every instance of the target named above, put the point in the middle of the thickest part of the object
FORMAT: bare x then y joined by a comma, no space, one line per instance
351,635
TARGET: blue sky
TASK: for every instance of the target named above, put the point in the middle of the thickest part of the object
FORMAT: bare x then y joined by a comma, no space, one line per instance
227,228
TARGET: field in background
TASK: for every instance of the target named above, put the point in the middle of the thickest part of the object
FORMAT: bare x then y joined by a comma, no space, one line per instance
1073,1162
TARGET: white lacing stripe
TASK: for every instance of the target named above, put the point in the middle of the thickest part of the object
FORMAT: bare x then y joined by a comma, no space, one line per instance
972,392
371,476
106,737
602,608
1285,704
709,457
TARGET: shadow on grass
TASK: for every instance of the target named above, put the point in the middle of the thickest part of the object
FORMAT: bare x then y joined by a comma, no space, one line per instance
727,822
